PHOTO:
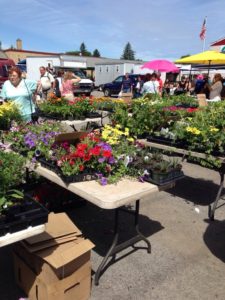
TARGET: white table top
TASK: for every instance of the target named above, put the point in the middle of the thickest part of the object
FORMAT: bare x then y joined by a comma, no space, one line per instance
109,196
10,238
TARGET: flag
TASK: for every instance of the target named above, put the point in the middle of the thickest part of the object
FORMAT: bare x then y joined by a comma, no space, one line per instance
203,30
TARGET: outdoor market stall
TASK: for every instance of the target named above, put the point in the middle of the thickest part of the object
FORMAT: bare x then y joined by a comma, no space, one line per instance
112,197
186,153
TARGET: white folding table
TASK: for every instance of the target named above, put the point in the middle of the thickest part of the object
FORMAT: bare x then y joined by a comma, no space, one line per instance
112,197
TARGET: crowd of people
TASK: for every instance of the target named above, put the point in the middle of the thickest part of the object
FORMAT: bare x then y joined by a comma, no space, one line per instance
214,89
23,91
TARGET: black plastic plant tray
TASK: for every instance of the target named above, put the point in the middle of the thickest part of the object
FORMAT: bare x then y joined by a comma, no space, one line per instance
31,213
165,181
86,176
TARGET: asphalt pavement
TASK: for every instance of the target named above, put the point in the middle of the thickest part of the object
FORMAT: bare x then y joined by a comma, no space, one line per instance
187,260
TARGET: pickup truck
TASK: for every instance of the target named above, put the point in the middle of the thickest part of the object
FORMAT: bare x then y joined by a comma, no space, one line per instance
85,86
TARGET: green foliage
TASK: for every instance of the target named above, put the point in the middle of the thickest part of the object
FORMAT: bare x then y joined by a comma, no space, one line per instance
12,170
63,109
9,112
83,50
96,53
12,173
128,53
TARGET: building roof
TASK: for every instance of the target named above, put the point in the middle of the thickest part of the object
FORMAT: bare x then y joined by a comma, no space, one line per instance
2,54
219,42
30,51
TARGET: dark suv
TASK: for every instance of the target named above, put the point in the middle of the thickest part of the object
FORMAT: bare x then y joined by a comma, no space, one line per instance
113,88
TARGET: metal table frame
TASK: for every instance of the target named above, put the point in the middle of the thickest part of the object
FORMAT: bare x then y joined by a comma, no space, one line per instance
113,197
219,196
115,247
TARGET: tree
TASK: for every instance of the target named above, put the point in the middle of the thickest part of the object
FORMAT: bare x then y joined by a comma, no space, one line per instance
84,51
128,53
96,53
73,52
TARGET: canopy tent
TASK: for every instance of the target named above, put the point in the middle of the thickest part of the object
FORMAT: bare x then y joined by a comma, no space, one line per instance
206,58
161,65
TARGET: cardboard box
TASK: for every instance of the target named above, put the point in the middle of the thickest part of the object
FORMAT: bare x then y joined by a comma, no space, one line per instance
202,100
45,272
76,286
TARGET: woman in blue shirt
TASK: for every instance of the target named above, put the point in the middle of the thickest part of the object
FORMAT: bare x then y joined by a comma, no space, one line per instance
20,91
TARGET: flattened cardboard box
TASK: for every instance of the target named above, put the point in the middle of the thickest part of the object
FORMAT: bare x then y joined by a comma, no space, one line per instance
59,225
76,286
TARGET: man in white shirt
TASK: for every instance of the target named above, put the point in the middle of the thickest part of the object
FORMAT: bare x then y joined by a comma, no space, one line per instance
151,85
46,82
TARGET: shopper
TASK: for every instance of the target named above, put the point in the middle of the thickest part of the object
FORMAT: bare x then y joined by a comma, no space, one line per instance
46,83
20,91
67,87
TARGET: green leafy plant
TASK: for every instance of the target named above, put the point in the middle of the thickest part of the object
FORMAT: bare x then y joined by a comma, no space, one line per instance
12,173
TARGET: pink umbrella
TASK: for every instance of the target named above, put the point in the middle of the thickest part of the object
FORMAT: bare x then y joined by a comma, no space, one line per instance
161,65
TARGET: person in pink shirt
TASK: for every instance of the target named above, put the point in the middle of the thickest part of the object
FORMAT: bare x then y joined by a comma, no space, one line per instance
160,83
67,87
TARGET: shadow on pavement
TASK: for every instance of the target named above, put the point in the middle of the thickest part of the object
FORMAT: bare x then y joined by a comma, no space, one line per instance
214,238
196,190
97,224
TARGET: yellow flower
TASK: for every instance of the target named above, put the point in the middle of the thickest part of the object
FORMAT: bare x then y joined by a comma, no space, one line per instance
214,129
193,130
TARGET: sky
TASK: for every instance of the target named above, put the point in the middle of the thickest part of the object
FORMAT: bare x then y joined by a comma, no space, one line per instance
159,29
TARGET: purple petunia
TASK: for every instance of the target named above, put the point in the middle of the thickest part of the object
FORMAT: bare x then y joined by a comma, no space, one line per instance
103,181
101,160
105,146
111,160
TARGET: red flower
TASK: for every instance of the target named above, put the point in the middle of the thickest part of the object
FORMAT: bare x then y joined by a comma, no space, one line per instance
87,157
106,153
79,153
95,151
82,146
81,167
191,110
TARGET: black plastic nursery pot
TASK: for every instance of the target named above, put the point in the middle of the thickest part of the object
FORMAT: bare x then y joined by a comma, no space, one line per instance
166,141
93,115
164,178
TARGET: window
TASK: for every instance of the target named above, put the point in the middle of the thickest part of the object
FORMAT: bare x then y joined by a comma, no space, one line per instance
119,79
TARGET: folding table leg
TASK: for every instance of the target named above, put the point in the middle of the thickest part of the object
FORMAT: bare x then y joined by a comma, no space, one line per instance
115,247
212,208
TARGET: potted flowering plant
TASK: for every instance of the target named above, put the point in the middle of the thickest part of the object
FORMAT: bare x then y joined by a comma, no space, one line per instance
9,112
84,160
34,140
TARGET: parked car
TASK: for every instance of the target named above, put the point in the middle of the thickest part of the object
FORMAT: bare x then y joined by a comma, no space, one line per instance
113,88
